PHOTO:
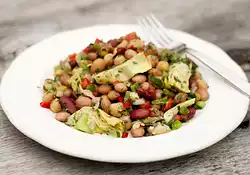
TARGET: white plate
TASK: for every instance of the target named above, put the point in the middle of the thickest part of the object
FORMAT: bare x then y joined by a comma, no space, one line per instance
20,98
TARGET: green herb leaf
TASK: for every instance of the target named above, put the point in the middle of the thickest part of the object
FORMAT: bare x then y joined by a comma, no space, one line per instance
157,82
91,87
134,87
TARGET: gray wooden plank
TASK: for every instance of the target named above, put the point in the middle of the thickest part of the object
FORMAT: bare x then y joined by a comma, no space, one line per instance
25,22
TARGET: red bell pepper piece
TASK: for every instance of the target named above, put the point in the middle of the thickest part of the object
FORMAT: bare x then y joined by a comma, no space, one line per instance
45,104
85,82
98,40
127,104
120,99
72,56
124,135
85,50
147,105
169,104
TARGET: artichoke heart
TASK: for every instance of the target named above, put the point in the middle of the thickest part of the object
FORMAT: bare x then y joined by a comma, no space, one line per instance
91,120
178,76
122,73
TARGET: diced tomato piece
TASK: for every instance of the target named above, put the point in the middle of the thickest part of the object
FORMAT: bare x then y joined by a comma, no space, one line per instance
131,36
127,104
178,117
85,82
125,135
98,40
169,104
72,56
45,104
147,105
131,47
115,82
120,99
85,50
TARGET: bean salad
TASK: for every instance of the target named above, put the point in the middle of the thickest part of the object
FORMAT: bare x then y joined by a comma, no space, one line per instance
125,86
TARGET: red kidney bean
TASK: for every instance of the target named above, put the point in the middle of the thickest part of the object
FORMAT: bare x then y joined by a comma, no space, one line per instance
121,50
147,94
113,42
68,103
72,63
192,112
139,113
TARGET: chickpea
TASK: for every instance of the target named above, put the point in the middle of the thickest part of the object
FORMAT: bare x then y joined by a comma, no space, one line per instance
204,96
59,72
92,56
153,59
119,60
145,86
112,95
201,84
154,72
116,109
123,44
158,93
62,116
105,103
139,79
129,54
48,97
180,97
55,106
104,89
121,87
150,130
67,92
64,79
109,59
138,43
98,65
197,75
83,101
127,122
139,132
162,65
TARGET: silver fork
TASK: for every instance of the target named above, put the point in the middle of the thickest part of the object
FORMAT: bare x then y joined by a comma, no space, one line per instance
158,34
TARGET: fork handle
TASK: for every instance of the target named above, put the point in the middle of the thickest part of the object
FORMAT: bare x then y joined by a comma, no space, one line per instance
228,75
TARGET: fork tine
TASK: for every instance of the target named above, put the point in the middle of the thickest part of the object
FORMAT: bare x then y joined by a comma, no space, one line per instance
161,27
147,26
145,29
153,31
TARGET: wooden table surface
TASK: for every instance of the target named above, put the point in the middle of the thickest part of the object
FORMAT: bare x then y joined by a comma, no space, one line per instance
25,22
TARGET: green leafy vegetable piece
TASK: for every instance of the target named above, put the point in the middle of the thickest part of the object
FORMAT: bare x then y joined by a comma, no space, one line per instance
156,81
81,56
168,93
91,87
134,87
160,101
